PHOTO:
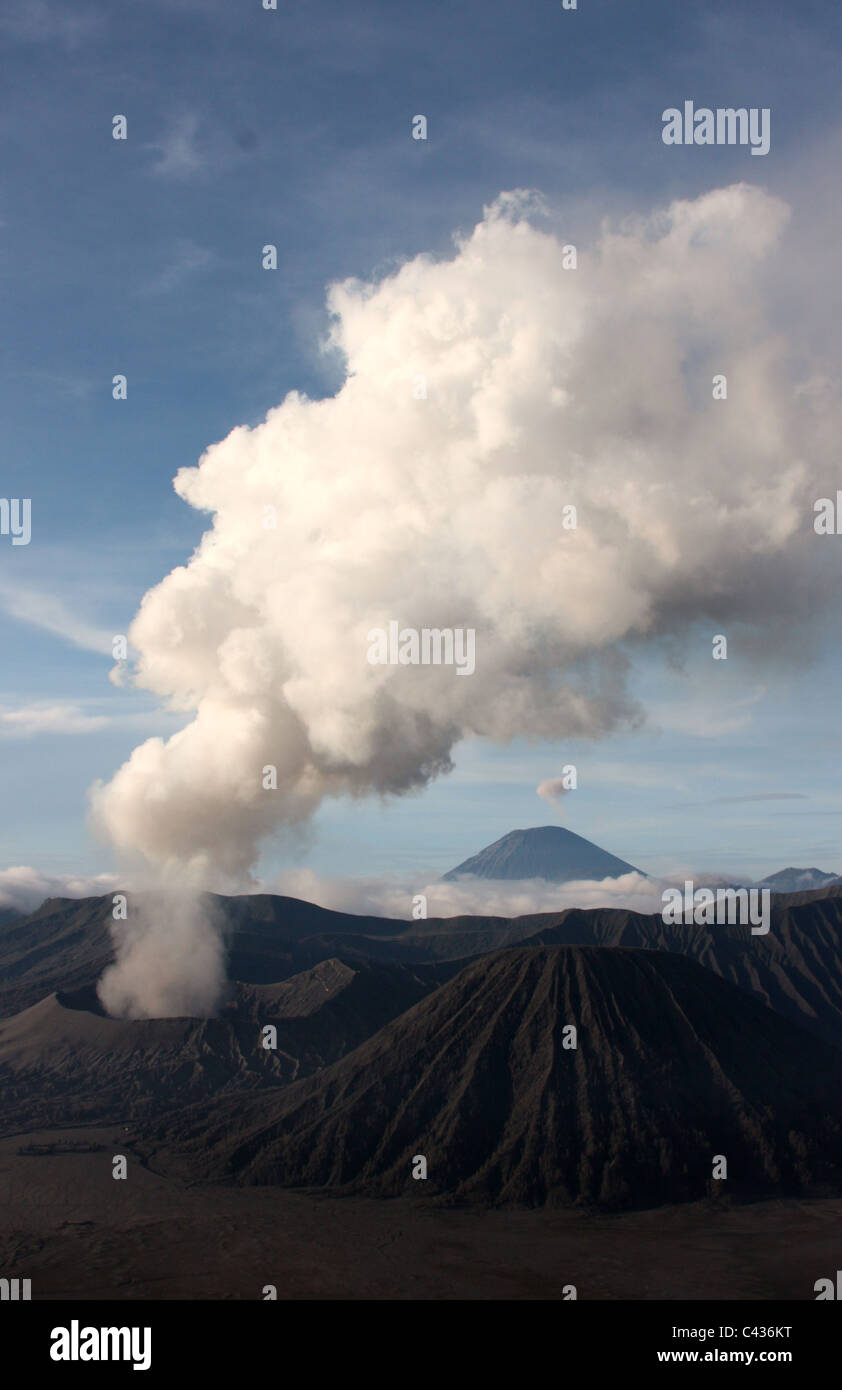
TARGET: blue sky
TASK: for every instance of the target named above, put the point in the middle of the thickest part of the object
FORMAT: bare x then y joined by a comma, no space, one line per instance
143,257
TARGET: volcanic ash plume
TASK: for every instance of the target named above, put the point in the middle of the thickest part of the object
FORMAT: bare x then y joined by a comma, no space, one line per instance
170,958
485,396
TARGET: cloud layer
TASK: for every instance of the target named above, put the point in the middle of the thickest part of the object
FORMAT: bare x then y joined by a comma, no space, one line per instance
169,925
384,897
23,888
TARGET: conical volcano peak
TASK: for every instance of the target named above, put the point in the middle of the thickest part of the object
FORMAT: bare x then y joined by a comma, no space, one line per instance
544,851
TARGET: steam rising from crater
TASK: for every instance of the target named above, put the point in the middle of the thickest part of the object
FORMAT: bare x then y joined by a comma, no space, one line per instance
170,957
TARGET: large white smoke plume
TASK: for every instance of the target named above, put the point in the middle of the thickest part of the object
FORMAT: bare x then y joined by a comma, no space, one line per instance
484,395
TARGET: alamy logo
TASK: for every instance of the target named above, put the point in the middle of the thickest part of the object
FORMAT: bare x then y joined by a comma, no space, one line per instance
16,519
15,1290
828,520
75,1343
724,126
432,646
725,907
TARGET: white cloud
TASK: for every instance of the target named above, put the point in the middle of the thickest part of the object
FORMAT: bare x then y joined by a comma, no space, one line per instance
186,260
39,21
49,719
46,717
26,888
50,613
179,151
702,716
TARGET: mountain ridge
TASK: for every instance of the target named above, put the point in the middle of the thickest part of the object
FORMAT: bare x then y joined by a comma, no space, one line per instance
797,968
791,880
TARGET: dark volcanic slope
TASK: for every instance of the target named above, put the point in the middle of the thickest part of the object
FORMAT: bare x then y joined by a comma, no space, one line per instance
64,944
63,1062
545,851
672,1067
